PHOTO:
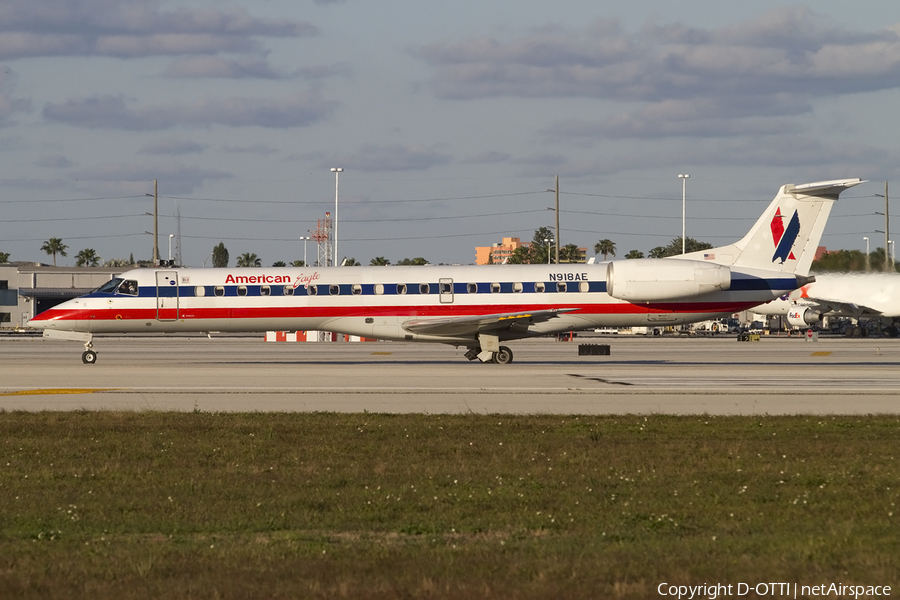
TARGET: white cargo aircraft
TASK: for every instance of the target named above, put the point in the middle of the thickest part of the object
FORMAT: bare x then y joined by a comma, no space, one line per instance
874,296
473,306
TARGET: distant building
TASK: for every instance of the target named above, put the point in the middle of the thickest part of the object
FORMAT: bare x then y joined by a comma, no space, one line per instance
498,253
27,289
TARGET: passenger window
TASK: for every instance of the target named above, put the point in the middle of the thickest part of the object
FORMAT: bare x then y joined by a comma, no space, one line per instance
356,289
424,288
446,288
379,289
288,290
584,286
472,288
401,288
199,291
334,290
311,290
517,288
539,287
220,291
495,288
561,286
242,290
129,287
265,290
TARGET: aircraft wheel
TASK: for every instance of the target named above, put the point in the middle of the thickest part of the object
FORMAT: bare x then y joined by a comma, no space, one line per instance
89,357
503,357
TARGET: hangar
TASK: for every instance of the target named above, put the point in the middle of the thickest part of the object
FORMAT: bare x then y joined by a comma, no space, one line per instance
28,288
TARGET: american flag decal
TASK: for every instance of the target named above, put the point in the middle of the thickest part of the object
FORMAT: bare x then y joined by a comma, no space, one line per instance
709,256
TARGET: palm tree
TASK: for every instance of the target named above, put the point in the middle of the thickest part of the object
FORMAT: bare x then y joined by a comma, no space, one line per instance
87,258
605,247
248,259
279,263
54,246
634,254
350,262
298,263
379,261
4,257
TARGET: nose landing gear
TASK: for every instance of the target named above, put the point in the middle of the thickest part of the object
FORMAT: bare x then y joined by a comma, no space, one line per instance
89,356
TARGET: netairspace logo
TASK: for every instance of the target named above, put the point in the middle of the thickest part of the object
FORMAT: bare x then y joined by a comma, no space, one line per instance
775,590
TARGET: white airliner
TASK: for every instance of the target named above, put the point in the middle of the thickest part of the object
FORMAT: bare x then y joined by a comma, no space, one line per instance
472,306
855,295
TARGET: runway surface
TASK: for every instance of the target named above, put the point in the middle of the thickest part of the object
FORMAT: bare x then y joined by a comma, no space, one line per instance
642,375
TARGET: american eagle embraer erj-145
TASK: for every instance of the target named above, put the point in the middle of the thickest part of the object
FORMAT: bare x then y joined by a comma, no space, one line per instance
473,306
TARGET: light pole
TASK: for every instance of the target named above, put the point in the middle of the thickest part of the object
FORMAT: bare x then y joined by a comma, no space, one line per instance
171,235
684,178
891,244
305,239
337,171
547,242
867,252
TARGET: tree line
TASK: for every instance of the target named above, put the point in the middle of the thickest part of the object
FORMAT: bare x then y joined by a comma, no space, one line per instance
541,250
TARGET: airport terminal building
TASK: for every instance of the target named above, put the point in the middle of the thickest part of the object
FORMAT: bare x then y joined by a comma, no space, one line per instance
28,288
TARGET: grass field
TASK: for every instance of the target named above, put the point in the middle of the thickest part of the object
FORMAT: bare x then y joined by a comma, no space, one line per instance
200,505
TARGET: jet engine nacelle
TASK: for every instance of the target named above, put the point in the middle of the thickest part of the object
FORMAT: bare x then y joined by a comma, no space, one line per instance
658,279
800,317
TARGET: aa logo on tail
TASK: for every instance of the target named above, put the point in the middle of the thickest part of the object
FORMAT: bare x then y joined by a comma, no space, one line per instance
784,237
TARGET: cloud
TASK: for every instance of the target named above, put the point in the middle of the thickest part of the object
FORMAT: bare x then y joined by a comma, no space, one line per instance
784,50
216,66
112,112
131,28
172,146
394,157
55,161
137,178
706,117
485,158
258,149
316,72
752,77
8,104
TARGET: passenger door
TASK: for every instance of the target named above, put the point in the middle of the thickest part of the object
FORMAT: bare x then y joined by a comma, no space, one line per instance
166,295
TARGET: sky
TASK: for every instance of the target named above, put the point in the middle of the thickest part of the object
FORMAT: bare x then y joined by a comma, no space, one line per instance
451,122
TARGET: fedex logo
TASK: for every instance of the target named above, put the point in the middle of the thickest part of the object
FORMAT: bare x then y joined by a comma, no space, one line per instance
784,237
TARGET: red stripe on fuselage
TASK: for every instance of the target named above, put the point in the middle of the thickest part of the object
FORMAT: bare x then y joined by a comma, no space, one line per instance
445,310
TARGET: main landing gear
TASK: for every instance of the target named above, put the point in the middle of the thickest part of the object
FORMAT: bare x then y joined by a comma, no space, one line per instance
490,351
503,356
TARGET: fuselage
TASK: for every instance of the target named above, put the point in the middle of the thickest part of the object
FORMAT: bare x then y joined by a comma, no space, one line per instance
375,302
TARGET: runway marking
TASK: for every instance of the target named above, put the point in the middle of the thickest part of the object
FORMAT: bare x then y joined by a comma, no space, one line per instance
820,354
50,391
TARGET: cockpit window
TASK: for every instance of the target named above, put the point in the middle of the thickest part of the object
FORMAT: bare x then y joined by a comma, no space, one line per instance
129,287
110,286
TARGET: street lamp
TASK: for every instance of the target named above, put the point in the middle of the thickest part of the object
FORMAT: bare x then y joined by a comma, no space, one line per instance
867,252
336,171
305,239
171,235
547,242
684,177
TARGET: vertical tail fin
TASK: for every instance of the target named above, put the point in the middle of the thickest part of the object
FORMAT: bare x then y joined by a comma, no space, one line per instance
786,236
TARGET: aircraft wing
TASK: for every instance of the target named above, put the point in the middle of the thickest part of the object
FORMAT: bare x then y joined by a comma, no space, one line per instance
844,309
470,325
